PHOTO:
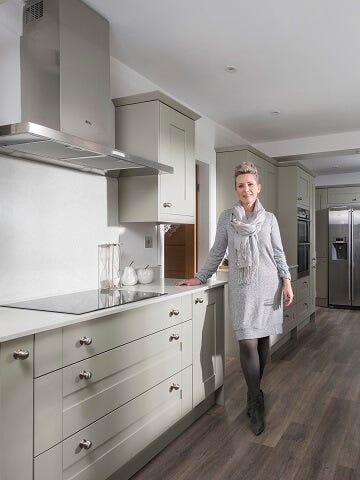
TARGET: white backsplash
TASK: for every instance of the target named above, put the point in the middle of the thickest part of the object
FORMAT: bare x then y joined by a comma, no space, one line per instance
51,221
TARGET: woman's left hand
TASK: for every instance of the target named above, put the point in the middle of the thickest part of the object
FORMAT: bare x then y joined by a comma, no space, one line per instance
287,292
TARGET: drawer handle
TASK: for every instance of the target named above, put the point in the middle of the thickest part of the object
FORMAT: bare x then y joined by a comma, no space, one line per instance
167,204
199,300
85,444
21,354
173,312
85,341
174,336
174,386
354,199
84,375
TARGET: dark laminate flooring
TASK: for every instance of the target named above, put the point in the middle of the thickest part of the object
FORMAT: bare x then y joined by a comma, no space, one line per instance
312,397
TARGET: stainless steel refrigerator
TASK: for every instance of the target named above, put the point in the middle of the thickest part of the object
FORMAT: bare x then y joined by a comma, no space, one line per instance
344,256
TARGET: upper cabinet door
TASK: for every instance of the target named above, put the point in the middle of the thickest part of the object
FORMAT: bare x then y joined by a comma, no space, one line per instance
303,189
177,191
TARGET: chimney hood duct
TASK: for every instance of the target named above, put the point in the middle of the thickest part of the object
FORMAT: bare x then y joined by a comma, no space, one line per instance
66,112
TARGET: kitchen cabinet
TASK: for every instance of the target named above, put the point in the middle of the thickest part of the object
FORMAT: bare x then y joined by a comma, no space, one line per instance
208,343
304,188
94,395
16,409
227,159
156,127
297,189
343,195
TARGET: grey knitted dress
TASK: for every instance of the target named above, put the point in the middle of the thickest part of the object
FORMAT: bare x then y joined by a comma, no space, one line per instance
256,308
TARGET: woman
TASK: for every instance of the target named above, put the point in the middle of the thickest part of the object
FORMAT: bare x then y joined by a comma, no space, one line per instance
259,279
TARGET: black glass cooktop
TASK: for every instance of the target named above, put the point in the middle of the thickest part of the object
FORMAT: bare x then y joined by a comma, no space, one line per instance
84,302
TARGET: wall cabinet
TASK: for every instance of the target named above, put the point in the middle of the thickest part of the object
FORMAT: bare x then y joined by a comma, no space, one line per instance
343,195
156,127
84,409
226,161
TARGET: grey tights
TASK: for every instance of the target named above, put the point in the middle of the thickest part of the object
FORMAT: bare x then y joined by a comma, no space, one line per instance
253,356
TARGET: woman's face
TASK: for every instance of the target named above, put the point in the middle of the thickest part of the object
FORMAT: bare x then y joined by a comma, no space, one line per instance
247,189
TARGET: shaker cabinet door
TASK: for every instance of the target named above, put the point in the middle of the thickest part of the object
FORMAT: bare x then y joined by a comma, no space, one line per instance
177,191
16,409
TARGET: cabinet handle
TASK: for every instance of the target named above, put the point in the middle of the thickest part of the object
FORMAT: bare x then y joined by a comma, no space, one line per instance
173,312
286,316
305,283
174,336
300,198
21,354
174,386
84,375
199,300
167,204
85,341
354,200
85,444
306,304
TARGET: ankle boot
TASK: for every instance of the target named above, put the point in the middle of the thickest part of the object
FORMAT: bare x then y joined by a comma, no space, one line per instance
248,403
257,413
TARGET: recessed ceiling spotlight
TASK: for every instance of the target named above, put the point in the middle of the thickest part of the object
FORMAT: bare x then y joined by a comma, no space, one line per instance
231,69
275,112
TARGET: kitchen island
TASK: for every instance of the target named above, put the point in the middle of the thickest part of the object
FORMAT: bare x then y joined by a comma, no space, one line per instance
99,394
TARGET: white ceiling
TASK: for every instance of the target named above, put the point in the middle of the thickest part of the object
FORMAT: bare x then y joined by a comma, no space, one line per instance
299,58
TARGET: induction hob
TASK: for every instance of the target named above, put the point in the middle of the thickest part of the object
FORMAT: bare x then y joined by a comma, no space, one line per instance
84,302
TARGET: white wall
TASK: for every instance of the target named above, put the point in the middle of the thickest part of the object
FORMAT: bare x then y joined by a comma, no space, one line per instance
52,219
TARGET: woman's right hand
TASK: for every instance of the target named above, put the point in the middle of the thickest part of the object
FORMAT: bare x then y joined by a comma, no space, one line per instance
190,282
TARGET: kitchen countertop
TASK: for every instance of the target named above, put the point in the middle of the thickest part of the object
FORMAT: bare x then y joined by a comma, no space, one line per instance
16,323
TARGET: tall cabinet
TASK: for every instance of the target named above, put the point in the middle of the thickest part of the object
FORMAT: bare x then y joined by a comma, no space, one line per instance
156,127
297,190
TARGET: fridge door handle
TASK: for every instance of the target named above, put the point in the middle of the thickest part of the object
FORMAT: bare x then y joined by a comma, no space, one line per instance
351,256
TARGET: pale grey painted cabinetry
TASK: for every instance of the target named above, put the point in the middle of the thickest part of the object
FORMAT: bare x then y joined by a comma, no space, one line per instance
297,190
16,409
156,127
95,395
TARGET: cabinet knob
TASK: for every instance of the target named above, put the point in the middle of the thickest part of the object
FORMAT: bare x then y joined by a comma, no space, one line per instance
84,375
174,336
300,198
199,300
173,312
353,200
174,386
85,341
21,354
85,444
305,304
167,204
286,315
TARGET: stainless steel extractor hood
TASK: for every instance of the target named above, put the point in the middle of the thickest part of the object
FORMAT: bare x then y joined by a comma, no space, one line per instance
35,142
66,110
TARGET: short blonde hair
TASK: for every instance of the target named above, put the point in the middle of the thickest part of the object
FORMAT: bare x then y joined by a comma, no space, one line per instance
246,167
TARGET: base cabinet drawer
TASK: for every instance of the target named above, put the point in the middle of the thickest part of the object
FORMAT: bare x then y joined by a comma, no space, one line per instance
99,450
96,386
290,318
302,289
303,309
93,337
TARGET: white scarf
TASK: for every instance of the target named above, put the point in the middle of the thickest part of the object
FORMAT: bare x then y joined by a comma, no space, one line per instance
246,240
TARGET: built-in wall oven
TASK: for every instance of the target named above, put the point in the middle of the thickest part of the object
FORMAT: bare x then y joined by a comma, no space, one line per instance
303,242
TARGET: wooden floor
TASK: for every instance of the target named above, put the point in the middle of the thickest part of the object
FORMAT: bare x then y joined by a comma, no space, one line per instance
312,399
